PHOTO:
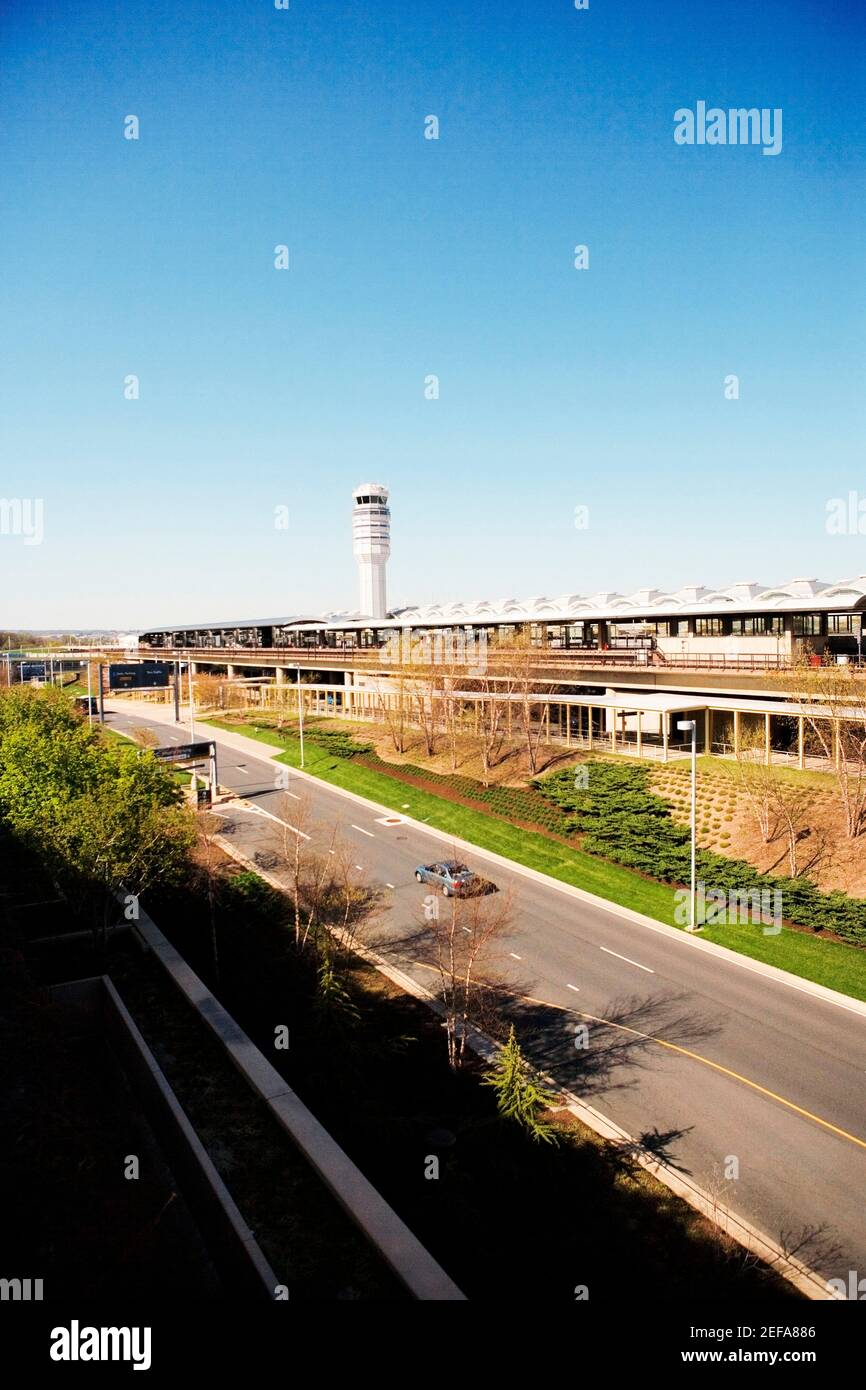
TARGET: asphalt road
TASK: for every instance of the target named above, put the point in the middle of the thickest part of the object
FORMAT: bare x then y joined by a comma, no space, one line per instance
705,1060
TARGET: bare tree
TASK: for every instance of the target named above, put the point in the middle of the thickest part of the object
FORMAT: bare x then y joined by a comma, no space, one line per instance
296,836
463,929
353,899
832,701
145,737
426,703
210,691
391,703
517,659
452,672
791,814
755,781
323,888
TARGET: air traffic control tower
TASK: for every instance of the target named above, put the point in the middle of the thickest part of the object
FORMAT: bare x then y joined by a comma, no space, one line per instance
371,543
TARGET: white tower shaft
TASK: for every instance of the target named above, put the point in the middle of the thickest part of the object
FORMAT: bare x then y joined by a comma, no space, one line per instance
371,543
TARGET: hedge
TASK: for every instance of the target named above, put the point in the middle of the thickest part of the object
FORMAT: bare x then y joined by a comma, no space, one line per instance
621,820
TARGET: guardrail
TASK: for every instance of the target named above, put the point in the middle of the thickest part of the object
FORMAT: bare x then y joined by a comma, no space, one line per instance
633,659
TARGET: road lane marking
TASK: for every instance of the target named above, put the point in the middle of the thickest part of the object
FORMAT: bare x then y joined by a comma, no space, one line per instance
726,1071
628,960
707,1062
260,811
360,866
292,795
363,831
574,987
516,957
389,885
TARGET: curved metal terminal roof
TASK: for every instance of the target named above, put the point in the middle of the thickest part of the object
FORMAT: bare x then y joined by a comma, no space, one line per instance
793,596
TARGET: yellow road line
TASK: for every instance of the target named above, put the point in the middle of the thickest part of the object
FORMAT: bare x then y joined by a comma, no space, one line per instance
716,1066
707,1062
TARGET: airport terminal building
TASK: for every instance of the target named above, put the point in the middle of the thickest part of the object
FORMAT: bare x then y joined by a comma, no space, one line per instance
761,625
612,670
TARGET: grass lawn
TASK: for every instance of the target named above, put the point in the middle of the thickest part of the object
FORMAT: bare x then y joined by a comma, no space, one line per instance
829,963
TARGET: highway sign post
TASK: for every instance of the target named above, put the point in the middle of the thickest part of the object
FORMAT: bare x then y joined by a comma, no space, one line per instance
139,675
181,753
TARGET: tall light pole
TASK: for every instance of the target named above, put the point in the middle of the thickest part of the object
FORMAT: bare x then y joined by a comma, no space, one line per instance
191,706
685,725
301,716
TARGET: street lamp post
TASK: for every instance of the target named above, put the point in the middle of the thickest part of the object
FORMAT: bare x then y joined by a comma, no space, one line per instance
191,705
301,716
685,725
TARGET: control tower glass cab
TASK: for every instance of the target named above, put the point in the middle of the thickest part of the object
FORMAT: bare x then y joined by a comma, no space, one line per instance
371,543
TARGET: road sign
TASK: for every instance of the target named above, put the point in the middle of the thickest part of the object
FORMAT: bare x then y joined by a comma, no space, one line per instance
139,675
184,752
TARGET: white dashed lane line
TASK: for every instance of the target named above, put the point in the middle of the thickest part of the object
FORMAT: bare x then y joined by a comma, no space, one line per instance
574,987
627,960
361,829
515,955
389,885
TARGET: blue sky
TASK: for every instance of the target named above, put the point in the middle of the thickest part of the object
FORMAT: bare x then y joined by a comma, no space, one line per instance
558,388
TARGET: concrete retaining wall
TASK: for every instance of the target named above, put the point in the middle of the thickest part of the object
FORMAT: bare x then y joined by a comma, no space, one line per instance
413,1265
230,1241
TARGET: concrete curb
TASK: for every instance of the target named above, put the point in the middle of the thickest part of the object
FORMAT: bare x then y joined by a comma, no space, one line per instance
806,1280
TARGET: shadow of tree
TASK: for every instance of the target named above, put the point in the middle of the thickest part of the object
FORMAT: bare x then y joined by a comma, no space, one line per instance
653,1143
587,1054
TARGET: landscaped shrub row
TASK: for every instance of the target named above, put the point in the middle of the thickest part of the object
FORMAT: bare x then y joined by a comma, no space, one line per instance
621,820
516,804
336,741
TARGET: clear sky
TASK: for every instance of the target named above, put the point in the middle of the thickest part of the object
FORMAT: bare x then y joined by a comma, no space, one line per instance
263,388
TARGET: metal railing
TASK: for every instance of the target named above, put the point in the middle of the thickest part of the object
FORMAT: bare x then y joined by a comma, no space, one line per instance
545,656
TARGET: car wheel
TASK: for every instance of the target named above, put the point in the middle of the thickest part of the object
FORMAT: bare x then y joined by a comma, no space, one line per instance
446,891
420,878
